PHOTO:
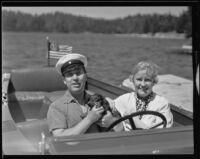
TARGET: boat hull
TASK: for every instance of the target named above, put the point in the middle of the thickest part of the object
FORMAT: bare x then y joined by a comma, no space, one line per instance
28,94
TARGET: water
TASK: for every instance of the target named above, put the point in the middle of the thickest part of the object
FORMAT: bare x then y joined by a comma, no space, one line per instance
110,57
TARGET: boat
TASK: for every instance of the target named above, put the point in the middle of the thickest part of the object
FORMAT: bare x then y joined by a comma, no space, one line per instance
187,49
26,96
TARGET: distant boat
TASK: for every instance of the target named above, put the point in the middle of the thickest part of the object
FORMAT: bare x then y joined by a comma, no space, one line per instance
187,49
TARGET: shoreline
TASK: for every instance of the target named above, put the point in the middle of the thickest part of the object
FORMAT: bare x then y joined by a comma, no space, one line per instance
161,35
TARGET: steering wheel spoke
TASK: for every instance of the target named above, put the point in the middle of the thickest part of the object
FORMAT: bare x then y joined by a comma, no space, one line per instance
132,123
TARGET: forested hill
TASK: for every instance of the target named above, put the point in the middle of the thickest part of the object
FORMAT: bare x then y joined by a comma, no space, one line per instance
62,22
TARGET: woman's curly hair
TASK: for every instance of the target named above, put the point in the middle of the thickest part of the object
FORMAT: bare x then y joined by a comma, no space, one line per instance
151,68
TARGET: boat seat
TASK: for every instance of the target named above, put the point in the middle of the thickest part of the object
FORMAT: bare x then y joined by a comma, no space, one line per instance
32,130
27,80
27,91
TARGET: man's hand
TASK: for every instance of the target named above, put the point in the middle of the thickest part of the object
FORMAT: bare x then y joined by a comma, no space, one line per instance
94,114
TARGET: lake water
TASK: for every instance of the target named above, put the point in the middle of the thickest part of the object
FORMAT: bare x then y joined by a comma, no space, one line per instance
110,57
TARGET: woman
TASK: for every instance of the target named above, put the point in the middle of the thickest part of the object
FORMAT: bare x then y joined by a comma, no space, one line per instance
144,77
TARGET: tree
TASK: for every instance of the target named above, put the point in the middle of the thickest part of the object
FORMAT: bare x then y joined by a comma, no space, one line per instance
184,23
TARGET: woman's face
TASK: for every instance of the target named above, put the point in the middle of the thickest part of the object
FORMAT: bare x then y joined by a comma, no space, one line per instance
75,80
143,83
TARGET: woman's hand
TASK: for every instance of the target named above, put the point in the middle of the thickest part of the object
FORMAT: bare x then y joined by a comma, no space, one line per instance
107,119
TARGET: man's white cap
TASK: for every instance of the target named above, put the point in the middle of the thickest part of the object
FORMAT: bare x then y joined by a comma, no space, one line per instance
69,59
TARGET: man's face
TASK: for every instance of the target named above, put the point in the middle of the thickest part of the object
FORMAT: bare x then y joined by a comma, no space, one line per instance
75,79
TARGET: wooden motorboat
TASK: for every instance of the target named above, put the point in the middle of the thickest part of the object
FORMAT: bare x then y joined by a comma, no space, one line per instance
26,96
187,49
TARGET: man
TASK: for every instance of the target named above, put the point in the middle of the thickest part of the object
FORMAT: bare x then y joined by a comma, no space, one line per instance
69,115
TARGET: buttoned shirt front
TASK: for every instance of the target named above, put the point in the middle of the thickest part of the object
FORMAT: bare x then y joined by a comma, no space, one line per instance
66,112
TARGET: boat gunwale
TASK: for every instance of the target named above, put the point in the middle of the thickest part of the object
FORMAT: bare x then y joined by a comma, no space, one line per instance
109,135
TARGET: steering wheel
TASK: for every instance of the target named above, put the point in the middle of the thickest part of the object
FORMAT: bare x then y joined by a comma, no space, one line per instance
130,118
